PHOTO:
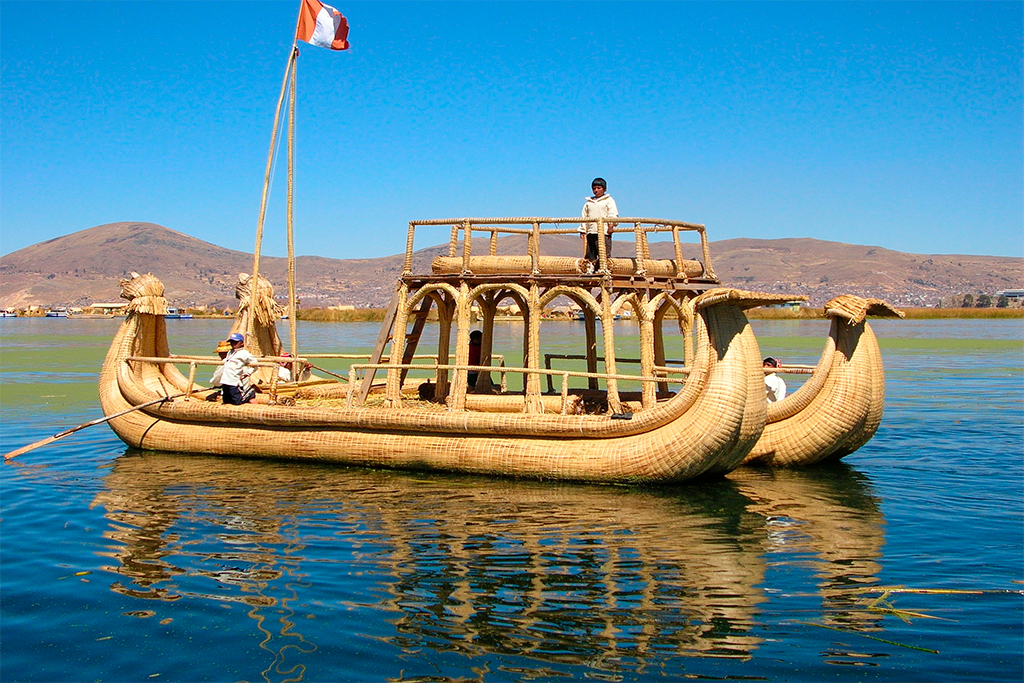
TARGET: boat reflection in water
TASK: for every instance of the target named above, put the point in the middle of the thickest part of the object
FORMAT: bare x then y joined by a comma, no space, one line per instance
829,515
601,576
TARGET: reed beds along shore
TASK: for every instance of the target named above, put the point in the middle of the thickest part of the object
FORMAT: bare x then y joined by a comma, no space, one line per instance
770,313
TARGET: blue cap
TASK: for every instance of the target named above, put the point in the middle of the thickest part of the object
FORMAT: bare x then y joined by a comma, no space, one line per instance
235,337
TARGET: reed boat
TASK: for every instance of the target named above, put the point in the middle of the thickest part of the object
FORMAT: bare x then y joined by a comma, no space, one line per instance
706,415
707,426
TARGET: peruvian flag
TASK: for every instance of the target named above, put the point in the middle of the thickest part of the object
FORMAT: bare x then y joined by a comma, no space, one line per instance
322,25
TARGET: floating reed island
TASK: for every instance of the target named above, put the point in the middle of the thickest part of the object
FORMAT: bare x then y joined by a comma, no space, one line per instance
704,414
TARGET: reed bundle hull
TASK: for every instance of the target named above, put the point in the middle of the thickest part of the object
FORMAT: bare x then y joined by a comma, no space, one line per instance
708,427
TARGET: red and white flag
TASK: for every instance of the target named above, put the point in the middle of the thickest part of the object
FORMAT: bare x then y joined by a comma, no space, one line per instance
322,25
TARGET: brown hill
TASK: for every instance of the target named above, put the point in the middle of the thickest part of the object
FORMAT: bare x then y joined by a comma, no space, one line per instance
85,266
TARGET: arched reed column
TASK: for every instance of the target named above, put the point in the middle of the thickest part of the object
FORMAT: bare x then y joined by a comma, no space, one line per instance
590,327
445,312
648,353
686,328
531,354
659,340
488,309
457,397
393,395
607,323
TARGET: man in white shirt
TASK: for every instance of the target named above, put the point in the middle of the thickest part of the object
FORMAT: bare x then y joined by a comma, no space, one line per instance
284,370
601,205
774,387
234,378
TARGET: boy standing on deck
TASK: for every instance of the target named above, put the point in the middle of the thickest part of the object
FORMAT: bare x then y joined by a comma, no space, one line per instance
601,205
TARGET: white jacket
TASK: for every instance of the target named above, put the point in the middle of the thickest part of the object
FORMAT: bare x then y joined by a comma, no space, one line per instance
237,367
774,388
599,207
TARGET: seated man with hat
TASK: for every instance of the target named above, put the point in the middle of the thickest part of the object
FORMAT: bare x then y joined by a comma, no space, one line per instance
238,365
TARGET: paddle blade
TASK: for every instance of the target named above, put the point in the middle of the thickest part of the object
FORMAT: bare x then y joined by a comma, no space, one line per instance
30,447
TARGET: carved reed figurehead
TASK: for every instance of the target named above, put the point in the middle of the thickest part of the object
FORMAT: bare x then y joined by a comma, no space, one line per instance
145,294
262,306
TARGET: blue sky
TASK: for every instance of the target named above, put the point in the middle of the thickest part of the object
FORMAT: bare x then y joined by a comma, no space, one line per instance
882,123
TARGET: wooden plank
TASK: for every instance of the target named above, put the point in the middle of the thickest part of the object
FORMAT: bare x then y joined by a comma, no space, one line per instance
382,339
413,339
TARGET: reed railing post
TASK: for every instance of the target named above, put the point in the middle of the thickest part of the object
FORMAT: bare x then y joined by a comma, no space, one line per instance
565,391
493,247
453,241
191,379
709,270
534,249
409,238
680,271
602,247
639,239
351,386
273,386
467,247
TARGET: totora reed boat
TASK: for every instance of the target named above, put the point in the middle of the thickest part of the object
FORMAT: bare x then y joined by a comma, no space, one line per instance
706,415
674,420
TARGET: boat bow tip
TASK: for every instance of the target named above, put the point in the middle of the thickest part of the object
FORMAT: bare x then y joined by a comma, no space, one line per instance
855,309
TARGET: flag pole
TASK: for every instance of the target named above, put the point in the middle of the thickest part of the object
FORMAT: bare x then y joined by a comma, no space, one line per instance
266,185
293,320
292,55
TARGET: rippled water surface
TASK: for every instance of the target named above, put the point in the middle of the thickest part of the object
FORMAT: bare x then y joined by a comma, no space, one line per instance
903,563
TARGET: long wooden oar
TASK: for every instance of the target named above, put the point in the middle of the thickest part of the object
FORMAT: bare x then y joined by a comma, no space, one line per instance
61,435
332,374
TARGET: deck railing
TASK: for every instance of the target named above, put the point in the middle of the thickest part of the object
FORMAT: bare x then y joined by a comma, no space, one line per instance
548,357
663,372
464,228
564,374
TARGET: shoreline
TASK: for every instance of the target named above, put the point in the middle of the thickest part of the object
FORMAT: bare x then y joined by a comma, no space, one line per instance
805,313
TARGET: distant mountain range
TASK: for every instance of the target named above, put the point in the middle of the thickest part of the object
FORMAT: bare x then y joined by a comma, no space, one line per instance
84,267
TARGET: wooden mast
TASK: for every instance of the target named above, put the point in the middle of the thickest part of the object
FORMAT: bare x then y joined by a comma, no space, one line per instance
266,186
292,318
289,74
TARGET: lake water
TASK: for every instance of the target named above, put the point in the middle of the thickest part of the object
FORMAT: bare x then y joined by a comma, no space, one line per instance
902,563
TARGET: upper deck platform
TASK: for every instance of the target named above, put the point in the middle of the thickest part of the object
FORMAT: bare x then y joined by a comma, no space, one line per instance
474,243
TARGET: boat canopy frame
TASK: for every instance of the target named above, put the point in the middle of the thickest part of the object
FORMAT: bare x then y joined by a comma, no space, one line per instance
463,281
